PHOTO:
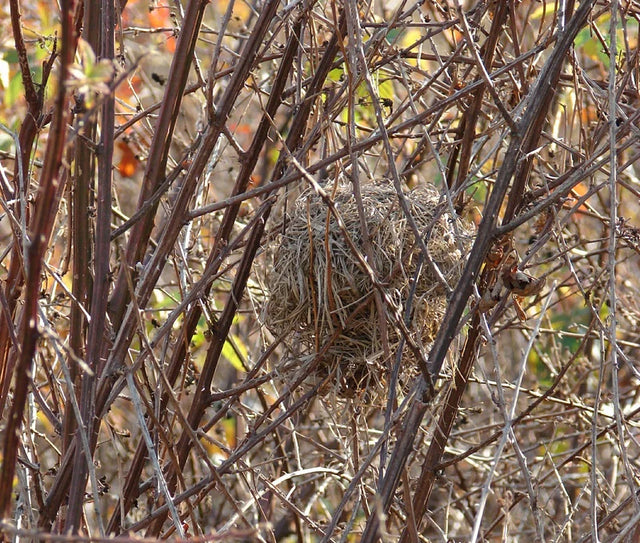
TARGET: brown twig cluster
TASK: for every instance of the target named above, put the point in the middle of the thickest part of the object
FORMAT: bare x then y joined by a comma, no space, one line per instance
152,158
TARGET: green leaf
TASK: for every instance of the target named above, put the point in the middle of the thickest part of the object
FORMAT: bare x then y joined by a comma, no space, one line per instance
90,76
4,73
14,91
232,356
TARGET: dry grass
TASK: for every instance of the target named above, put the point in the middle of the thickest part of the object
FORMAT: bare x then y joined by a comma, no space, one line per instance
142,394
319,291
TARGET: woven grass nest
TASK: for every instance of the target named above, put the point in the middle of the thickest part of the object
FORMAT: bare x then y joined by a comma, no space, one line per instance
319,289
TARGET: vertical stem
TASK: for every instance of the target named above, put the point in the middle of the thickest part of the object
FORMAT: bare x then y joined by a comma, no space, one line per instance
100,27
538,103
49,194
26,138
213,261
158,153
471,116
80,188
445,424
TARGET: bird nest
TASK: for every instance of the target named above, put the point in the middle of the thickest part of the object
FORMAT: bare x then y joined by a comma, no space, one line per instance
322,297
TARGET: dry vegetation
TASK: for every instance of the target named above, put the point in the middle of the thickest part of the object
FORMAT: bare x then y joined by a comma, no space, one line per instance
201,203
322,295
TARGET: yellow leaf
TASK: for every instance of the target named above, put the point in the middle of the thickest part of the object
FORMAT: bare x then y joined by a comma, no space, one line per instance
235,356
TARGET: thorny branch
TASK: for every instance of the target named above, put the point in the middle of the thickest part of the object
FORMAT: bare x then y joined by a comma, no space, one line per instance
141,390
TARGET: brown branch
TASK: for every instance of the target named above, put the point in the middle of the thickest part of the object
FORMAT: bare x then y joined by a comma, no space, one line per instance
200,402
25,70
433,463
213,262
46,208
158,153
201,399
100,34
538,102
542,103
28,131
445,422
470,118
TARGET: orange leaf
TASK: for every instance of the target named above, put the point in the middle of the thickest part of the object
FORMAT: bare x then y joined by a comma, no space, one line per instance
170,44
159,17
576,193
128,164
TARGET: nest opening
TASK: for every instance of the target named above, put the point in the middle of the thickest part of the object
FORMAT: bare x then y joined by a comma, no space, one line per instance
322,299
